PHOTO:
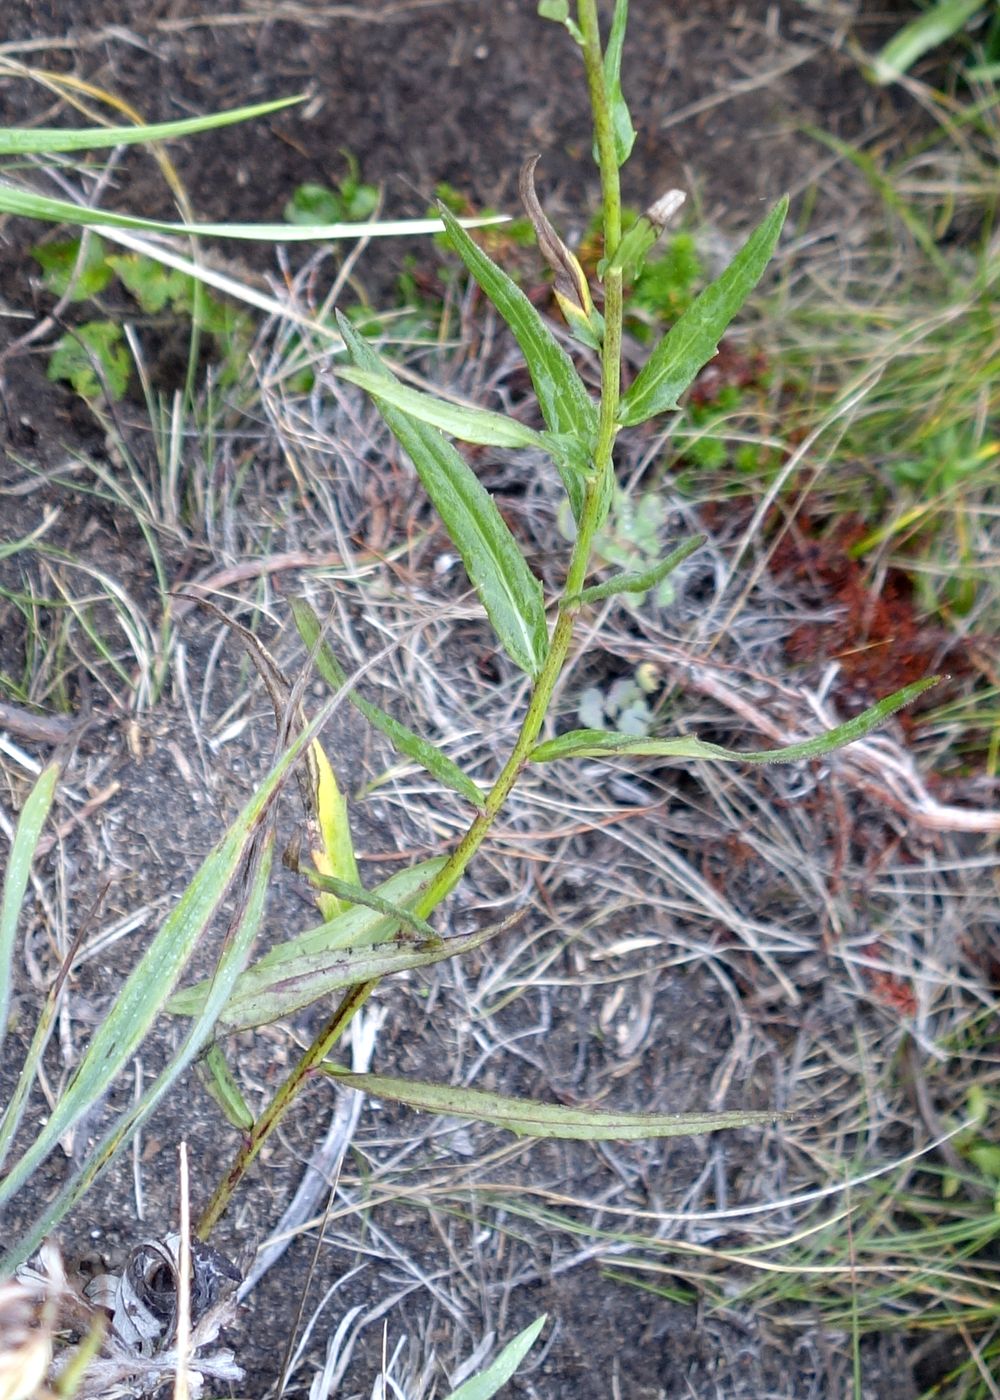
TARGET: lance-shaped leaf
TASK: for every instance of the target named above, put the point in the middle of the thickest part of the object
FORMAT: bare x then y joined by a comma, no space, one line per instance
487,1383
358,927
621,122
637,243
468,424
596,743
566,406
350,892
217,1080
334,856
640,582
15,882
527,1118
508,590
236,949
694,338
263,994
151,981
402,739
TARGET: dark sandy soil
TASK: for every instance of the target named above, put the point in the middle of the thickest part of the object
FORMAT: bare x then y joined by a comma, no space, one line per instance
419,92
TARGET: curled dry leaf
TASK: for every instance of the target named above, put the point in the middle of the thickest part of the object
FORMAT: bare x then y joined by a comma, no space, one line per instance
137,1311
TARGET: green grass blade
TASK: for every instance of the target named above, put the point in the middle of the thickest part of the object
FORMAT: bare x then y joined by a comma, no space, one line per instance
508,590
529,1119
236,950
566,406
597,743
692,341
500,1371
28,205
918,229
936,25
403,740
468,424
640,582
22,853
151,981
15,141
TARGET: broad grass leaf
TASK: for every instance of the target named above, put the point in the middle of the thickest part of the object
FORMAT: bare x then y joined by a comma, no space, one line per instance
236,949
508,590
596,743
499,1372
15,882
692,341
468,424
566,406
527,1118
404,740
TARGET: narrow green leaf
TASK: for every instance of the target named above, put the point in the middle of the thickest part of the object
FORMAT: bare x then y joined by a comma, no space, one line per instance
499,1372
468,424
642,581
356,928
906,212
508,590
348,892
22,853
16,141
217,1080
529,1119
942,21
267,992
29,205
621,120
566,406
236,950
596,743
151,981
692,341
404,740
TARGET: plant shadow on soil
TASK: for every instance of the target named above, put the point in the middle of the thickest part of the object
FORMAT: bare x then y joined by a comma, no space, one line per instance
419,93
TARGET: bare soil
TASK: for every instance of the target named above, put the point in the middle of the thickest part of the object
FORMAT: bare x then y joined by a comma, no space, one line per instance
430,1219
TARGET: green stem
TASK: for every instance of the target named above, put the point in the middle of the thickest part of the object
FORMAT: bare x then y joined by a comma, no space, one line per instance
559,644
283,1099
